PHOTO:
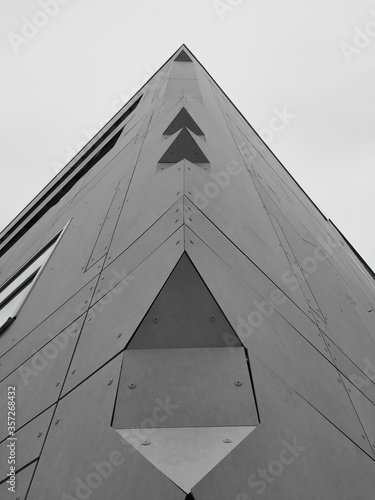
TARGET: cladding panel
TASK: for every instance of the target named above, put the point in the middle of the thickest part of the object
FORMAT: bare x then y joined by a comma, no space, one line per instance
95,461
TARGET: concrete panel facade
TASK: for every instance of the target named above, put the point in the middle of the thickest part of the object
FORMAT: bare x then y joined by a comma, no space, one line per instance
296,293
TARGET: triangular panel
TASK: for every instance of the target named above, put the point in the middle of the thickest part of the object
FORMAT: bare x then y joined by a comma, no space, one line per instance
183,119
184,315
183,147
183,57
186,455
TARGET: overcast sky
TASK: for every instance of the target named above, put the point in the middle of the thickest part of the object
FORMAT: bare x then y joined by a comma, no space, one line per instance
66,69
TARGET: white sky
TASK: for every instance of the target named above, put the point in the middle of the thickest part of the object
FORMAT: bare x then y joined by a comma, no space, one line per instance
265,54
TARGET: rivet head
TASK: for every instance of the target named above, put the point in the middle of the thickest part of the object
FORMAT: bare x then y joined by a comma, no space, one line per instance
132,385
227,440
145,442
155,319
110,381
212,317
39,434
238,383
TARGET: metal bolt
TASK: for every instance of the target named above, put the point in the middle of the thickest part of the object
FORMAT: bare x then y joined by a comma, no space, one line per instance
39,434
238,383
227,440
132,385
110,381
57,421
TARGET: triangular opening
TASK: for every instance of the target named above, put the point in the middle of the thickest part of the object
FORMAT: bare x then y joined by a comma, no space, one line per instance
183,57
183,147
183,119
184,315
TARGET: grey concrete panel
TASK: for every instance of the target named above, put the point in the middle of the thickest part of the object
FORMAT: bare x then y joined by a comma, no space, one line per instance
295,453
365,410
299,274
110,221
142,247
95,455
22,348
342,319
183,77
364,309
208,387
164,113
38,381
352,372
257,280
268,336
23,480
149,197
237,211
113,320
29,442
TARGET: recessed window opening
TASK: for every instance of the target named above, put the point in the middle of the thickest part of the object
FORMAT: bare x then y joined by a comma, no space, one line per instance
60,189
15,290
